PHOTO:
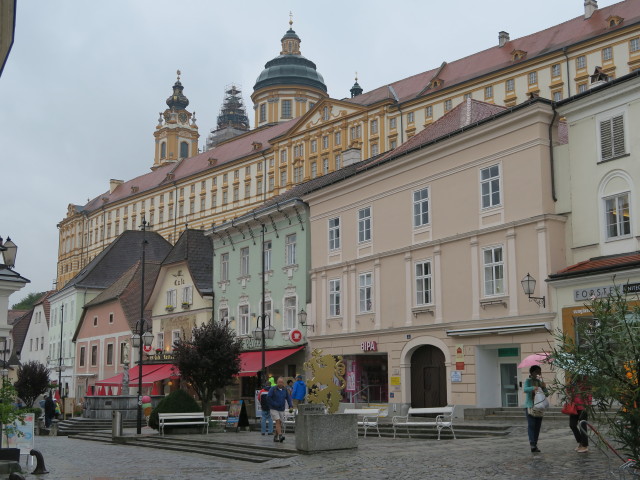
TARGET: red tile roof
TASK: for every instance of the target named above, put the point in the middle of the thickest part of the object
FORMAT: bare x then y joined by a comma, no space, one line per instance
594,265
226,152
496,58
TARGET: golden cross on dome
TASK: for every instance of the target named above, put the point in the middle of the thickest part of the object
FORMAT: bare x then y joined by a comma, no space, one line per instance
290,18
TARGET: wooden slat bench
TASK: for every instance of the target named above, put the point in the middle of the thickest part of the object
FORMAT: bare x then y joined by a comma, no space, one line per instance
181,419
443,419
218,418
369,417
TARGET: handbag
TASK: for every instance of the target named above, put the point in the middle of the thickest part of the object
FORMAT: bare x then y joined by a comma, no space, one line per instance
570,409
540,404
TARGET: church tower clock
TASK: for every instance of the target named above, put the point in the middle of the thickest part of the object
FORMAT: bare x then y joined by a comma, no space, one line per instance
176,133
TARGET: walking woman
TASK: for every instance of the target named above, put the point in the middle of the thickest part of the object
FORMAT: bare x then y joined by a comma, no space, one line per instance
532,385
580,397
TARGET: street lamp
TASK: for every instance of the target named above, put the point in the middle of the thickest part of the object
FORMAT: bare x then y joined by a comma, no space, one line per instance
302,319
529,286
9,251
60,356
147,337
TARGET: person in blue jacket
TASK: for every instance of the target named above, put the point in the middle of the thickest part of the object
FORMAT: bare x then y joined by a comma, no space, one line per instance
277,399
299,391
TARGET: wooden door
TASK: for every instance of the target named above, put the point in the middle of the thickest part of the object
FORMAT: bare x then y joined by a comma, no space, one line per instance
428,378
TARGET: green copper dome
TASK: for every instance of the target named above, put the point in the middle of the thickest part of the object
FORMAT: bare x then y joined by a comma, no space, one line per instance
290,67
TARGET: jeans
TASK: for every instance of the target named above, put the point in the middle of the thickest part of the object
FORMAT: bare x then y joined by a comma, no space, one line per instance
266,417
533,428
581,436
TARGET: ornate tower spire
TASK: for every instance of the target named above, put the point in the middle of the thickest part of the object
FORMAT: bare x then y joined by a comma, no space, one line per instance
290,41
232,119
356,89
176,133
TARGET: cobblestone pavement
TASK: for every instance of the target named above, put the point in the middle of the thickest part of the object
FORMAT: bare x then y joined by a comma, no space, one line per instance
376,458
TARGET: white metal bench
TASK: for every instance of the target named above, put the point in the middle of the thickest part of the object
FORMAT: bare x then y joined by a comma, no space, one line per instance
369,417
443,419
289,419
180,419
219,418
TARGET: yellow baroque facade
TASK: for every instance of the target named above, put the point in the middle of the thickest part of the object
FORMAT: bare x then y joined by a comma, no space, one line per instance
302,133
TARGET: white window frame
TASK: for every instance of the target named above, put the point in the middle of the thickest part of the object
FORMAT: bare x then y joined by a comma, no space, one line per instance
364,224
634,45
365,292
224,267
488,91
335,307
290,249
172,297
490,181
187,294
244,325
510,85
290,317
429,111
334,233
581,62
223,313
244,262
532,78
493,268
619,225
266,251
160,340
556,71
609,118
423,283
607,54
421,207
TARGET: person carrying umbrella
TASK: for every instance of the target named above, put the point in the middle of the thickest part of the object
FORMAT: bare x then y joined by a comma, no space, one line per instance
532,385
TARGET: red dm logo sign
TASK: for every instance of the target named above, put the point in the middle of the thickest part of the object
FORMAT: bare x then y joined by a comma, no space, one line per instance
146,348
295,336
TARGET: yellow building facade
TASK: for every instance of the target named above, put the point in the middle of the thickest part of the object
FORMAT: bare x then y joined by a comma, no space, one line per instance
303,133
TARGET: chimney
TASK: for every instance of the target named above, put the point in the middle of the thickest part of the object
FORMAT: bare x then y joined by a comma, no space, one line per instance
503,37
113,184
351,156
590,6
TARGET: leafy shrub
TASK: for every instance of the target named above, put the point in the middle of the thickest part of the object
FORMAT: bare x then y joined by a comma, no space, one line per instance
35,410
176,402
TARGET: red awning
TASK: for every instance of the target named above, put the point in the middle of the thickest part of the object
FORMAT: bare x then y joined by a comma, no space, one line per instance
166,371
133,376
251,362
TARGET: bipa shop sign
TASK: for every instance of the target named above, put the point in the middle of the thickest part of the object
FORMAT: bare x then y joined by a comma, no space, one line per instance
371,346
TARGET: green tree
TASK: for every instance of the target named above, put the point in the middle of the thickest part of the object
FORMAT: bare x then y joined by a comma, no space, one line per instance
28,302
33,381
603,360
209,360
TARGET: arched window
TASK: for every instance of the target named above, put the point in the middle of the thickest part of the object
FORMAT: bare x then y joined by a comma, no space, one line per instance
163,150
184,149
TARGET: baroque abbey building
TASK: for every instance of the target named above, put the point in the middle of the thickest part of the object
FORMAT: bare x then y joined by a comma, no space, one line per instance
301,132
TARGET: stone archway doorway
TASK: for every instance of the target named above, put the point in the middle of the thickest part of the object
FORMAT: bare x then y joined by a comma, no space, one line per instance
428,378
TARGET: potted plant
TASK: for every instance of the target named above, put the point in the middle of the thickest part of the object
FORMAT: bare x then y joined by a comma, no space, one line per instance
158,351
169,308
186,305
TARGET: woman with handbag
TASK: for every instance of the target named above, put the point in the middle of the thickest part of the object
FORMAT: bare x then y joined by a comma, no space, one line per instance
534,412
577,411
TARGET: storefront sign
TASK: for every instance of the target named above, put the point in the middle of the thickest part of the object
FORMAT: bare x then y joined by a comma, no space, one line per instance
631,288
237,416
311,409
460,357
586,294
371,346
394,381
456,377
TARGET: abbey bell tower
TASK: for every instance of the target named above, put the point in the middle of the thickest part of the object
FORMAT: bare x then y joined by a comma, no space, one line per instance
176,133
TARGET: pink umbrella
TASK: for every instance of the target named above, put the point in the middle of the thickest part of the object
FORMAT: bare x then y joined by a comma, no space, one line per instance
533,359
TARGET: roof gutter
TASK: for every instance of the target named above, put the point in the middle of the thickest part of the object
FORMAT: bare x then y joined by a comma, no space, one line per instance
551,158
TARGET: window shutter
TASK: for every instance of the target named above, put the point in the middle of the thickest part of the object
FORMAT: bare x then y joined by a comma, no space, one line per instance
606,140
618,135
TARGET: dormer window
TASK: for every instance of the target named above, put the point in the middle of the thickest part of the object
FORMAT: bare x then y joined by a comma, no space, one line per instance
518,55
614,20
325,113
436,83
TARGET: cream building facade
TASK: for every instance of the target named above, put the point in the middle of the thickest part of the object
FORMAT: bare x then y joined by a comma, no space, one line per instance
305,132
418,257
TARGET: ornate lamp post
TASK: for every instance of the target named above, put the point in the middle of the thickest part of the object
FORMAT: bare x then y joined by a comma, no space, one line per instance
145,336
529,286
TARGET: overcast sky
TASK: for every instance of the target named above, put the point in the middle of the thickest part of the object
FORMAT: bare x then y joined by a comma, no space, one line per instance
85,80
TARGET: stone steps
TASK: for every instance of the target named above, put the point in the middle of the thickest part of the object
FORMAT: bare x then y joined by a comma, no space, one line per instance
202,446
86,425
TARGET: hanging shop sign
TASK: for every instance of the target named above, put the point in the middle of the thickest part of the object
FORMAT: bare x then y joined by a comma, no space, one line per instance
456,377
370,346
295,335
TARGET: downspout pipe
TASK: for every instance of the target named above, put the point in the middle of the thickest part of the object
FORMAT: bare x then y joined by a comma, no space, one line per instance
564,52
551,159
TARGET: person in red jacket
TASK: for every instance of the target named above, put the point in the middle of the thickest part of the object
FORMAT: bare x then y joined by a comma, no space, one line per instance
581,398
